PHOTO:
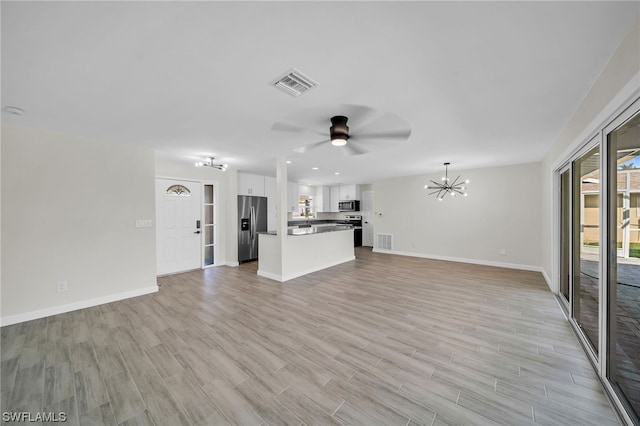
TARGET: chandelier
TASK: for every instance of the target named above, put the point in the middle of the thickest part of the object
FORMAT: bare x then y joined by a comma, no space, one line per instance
444,188
208,162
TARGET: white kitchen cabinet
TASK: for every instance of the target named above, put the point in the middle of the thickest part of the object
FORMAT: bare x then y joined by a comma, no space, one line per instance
349,192
307,190
271,192
323,199
250,184
292,197
335,198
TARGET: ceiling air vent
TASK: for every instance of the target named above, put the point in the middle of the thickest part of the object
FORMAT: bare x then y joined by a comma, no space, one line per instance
294,82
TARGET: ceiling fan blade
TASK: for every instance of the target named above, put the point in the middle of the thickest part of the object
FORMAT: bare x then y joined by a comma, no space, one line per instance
352,148
392,135
381,123
281,126
358,115
311,146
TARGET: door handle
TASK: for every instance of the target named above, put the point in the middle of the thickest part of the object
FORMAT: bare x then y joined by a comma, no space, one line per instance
197,232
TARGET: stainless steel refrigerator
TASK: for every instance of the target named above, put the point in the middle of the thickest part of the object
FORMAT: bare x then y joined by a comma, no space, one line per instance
252,218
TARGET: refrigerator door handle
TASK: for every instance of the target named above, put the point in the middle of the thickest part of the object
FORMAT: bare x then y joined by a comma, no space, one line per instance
252,221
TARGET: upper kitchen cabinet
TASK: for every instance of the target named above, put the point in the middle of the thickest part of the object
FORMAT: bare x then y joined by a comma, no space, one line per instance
323,199
249,184
307,190
349,192
335,198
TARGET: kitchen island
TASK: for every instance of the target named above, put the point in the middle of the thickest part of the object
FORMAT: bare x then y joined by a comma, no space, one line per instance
304,250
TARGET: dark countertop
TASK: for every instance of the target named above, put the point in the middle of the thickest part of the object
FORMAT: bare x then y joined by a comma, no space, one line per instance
311,222
314,230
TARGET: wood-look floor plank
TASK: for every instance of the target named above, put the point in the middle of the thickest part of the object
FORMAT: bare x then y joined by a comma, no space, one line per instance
160,404
231,404
304,408
383,339
98,416
194,402
124,396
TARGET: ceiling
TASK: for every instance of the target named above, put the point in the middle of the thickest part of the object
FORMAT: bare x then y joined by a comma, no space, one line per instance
479,83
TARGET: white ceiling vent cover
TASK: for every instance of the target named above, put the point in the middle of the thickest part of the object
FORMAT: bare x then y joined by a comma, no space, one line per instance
294,82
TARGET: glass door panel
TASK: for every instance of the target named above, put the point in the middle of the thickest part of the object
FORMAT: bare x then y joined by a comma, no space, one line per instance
586,244
565,233
623,325
209,225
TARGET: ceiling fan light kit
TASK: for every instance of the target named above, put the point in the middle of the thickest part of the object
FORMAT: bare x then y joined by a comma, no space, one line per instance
208,162
339,130
454,188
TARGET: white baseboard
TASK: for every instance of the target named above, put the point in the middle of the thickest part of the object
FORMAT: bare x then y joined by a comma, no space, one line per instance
464,260
546,278
55,310
271,276
283,278
229,263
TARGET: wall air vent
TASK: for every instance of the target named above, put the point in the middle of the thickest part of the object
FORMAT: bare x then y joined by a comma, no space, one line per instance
385,242
294,82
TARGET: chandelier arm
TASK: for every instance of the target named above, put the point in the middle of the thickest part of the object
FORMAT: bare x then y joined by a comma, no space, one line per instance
434,192
456,181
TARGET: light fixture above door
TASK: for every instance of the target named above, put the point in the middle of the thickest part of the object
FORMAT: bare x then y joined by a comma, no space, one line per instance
208,162
444,188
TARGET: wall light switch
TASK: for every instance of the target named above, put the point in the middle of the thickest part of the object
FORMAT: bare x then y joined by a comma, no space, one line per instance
503,252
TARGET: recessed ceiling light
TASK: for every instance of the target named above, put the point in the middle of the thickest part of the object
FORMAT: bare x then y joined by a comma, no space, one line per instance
14,110
288,161
314,168
336,173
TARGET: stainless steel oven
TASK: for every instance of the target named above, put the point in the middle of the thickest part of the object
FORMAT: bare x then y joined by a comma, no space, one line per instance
356,222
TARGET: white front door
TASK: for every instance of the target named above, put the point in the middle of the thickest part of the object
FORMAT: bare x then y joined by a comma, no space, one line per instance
367,218
178,237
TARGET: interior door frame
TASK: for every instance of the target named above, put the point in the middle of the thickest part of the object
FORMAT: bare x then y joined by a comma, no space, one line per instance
199,217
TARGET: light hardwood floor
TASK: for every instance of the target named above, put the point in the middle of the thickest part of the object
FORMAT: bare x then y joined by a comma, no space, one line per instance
380,340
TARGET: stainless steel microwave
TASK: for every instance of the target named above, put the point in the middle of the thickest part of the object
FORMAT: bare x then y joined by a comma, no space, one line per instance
349,206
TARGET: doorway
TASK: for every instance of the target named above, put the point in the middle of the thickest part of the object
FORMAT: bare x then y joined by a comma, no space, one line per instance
178,225
367,218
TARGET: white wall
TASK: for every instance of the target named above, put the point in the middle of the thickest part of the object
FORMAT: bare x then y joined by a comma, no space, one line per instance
618,83
69,208
502,211
227,199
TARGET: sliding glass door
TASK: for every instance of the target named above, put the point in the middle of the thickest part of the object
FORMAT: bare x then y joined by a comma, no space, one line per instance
623,281
565,234
599,254
586,244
